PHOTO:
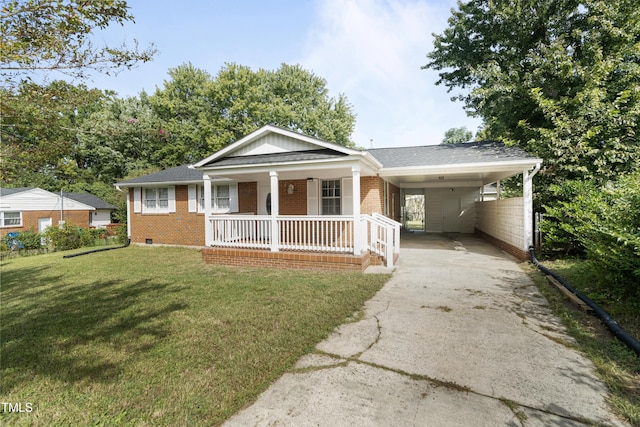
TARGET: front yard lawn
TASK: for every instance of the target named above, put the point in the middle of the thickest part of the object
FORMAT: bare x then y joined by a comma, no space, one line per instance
151,336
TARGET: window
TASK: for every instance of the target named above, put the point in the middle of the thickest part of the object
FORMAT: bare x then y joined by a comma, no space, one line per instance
10,219
156,199
331,197
221,196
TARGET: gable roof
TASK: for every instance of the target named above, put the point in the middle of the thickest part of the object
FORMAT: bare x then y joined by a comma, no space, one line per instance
89,199
304,143
178,175
449,154
37,199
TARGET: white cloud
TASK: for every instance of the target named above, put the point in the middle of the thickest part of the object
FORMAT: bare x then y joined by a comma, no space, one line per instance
372,51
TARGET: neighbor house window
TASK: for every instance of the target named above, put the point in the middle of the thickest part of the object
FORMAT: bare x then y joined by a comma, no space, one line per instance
11,219
156,199
331,197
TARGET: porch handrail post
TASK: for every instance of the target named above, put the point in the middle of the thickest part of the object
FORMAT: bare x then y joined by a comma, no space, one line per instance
208,226
359,231
275,211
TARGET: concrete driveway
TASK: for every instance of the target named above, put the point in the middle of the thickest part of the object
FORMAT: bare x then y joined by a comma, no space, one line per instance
458,337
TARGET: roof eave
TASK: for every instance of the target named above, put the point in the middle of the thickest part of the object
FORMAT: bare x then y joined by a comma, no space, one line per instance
461,167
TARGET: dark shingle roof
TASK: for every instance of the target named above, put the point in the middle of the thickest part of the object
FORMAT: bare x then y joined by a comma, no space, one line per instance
9,191
448,154
89,199
178,174
292,156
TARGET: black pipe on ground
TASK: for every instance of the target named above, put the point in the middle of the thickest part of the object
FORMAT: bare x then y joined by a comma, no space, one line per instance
611,324
98,250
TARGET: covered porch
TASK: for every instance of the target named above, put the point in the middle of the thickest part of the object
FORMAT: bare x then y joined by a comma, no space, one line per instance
300,216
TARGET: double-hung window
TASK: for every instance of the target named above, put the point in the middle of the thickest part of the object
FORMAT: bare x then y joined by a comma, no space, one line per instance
156,199
10,219
221,196
331,196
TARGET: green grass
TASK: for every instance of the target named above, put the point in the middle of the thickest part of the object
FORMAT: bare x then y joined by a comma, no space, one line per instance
151,336
617,365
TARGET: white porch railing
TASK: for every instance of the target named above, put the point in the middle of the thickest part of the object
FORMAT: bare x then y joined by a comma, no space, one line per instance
295,233
335,234
383,236
317,234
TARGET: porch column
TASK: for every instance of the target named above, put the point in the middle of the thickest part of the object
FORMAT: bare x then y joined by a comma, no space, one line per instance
208,228
275,211
358,230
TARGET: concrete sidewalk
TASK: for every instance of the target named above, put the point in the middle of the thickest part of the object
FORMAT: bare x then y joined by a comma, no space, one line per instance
458,337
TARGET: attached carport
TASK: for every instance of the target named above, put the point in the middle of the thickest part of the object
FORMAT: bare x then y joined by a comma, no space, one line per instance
452,178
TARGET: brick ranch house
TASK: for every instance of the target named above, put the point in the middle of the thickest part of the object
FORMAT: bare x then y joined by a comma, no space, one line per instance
29,208
278,198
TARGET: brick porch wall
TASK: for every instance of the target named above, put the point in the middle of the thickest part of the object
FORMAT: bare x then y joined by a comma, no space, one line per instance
285,260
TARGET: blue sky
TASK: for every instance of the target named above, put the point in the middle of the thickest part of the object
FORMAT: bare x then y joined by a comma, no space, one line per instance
369,50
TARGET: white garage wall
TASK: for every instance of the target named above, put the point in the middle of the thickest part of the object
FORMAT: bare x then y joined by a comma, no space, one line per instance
503,220
437,207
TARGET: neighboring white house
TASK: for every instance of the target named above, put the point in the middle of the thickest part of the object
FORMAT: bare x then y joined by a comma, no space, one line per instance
23,209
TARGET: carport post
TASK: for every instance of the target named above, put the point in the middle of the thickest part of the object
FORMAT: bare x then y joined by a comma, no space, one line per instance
527,214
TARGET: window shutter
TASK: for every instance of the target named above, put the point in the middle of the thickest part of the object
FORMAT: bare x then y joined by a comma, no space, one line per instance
137,203
312,197
233,197
193,202
172,198
347,196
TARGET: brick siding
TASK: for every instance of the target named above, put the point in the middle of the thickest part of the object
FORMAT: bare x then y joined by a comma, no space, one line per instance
30,220
248,197
177,228
522,255
371,195
296,203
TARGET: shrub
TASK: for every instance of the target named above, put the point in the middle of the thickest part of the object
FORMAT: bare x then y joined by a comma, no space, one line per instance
21,240
67,237
30,239
602,223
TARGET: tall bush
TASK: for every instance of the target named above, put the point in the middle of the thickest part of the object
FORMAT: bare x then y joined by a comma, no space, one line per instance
602,223
68,237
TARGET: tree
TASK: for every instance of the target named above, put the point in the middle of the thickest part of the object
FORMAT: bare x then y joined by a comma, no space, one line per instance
457,135
203,114
123,136
46,35
39,132
559,78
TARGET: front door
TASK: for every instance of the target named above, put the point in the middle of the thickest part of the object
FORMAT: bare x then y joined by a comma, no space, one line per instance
43,224
264,207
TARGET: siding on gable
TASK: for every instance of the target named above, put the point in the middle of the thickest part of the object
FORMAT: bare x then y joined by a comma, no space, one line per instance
273,143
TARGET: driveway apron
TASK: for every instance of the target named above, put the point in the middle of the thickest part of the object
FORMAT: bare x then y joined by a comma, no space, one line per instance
459,336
